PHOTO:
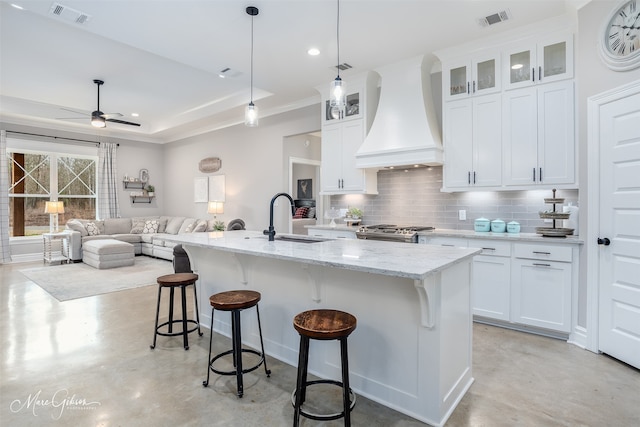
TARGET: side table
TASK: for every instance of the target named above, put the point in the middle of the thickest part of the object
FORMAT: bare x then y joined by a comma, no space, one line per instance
51,253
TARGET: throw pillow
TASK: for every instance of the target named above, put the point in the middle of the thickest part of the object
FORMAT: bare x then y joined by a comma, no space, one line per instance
173,225
138,225
301,212
92,229
150,226
200,226
311,213
75,225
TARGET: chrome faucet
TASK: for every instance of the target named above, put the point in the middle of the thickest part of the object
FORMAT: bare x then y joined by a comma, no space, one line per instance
271,232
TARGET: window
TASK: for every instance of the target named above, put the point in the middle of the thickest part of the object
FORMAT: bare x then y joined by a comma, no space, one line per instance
37,177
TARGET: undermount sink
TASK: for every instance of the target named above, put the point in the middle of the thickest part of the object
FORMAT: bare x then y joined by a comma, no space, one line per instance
301,239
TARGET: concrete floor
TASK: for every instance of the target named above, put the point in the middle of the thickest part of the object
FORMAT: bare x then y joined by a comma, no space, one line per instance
87,362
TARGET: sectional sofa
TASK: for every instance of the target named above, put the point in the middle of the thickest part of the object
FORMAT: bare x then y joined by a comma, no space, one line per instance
144,233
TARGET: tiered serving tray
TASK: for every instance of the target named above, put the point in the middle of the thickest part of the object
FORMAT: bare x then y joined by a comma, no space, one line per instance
555,216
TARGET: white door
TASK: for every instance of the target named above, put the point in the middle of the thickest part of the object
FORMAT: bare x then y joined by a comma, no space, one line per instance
619,250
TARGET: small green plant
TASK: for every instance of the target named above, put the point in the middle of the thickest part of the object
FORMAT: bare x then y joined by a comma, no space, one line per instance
354,212
150,188
218,226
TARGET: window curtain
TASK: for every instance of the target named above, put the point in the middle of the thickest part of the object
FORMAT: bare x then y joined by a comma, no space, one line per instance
5,251
108,206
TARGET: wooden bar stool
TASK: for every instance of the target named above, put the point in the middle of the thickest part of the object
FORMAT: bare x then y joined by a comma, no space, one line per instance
323,325
235,302
173,281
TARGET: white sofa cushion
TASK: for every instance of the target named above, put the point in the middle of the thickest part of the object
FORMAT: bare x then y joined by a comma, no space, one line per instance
117,226
187,225
75,225
174,224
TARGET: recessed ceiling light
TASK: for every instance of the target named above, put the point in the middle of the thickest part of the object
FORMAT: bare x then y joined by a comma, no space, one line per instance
314,51
17,6
135,115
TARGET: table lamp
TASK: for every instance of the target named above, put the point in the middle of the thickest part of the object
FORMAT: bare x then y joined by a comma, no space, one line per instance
53,209
215,207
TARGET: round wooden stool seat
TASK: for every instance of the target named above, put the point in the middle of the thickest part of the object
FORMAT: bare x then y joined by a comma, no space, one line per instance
325,324
234,300
177,279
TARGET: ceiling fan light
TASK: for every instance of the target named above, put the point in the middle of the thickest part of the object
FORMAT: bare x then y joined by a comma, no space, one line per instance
251,115
98,121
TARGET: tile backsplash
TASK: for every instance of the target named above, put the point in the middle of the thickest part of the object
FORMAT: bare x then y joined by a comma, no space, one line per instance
413,197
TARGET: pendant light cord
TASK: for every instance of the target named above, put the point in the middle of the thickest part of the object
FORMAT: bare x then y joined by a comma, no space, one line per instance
338,36
251,88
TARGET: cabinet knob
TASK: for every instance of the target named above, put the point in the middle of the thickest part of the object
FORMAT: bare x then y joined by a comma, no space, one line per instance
604,241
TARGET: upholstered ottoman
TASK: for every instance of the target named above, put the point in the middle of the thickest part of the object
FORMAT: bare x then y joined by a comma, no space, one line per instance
107,253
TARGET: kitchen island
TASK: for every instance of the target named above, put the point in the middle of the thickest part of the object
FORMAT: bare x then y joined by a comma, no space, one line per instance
411,350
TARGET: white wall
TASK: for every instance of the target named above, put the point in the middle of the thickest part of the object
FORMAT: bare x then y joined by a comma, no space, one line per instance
592,77
252,162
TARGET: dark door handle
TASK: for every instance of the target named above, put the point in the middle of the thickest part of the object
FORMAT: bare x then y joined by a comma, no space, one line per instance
604,241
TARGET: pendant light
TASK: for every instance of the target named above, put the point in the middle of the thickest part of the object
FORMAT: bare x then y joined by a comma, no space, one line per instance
251,111
337,91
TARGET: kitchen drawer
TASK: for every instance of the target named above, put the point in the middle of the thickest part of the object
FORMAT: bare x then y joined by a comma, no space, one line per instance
333,234
447,241
492,247
543,252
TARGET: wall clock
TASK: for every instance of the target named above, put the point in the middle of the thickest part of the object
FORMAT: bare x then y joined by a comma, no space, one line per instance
620,37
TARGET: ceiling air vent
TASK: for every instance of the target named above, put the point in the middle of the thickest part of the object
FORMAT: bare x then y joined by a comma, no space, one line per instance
69,14
495,18
344,66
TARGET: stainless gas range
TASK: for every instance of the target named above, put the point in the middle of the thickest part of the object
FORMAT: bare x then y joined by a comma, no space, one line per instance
391,233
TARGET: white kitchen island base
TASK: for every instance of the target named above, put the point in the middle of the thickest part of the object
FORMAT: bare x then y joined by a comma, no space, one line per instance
411,350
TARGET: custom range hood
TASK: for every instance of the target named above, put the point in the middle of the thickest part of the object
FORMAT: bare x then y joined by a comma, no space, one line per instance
404,130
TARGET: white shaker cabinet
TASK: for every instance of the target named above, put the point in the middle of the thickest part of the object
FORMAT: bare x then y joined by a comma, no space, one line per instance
541,286
343,132
473,142
465,77
538,136
545,60
340,142
492,279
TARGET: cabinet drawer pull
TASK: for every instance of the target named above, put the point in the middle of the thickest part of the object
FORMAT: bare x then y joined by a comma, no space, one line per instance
534,174
540,73
540,175
533,74
468,90
541,265
448,244
488,249
542,253
474,86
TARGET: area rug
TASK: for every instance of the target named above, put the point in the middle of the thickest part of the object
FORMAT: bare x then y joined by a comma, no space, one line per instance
72,281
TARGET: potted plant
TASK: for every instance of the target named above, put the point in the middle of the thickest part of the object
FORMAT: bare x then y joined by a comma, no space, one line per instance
354,213
218,226
150,190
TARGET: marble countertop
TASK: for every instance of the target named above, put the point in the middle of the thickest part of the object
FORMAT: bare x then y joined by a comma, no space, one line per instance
386,258
518,237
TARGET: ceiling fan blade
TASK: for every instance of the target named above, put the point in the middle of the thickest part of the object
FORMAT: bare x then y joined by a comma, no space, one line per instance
122,122
111,115
85,113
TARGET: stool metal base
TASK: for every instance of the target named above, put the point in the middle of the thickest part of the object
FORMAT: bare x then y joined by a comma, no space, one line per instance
184,321
324,417
236,351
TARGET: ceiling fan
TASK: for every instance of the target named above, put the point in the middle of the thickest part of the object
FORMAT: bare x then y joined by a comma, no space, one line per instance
98,118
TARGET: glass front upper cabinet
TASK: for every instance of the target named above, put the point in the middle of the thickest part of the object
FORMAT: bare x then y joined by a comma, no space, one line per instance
350,111
548,61
476,76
